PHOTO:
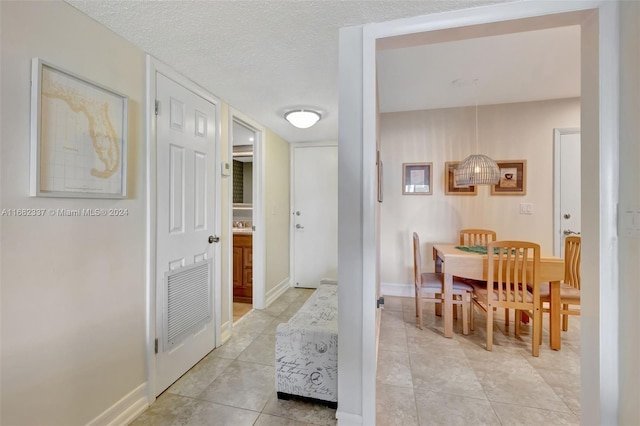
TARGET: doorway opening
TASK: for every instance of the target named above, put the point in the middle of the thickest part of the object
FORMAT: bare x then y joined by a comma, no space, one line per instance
247,265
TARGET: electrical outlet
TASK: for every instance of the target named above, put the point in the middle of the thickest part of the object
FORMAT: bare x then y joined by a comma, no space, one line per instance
526,208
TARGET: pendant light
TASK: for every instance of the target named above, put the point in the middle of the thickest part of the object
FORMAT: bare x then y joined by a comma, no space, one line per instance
477,169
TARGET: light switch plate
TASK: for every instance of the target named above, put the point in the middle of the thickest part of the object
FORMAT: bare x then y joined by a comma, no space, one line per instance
526,208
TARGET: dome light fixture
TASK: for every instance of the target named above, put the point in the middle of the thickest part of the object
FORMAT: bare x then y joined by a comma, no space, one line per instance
302,118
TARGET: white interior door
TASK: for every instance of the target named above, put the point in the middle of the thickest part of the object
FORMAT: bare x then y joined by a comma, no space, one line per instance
315,215
567,186
185,326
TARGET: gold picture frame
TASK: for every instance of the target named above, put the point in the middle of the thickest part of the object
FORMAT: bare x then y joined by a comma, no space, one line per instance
450,187
513,178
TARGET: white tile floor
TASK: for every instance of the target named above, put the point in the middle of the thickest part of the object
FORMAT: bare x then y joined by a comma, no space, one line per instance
423,378
427,379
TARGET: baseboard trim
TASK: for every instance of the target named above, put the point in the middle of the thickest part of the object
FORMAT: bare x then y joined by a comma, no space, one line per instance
277,291
124,411
225,332
397,289
348,419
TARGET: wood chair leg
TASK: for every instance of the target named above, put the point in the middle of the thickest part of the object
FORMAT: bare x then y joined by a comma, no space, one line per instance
537,333
506,317
465,313
565,318
455,311
472,311
489,328
419,309
516,317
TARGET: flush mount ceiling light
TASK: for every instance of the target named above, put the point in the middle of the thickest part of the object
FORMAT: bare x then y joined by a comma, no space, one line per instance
476,169
302,118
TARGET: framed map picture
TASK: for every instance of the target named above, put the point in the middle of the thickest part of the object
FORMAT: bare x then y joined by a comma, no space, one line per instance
78,136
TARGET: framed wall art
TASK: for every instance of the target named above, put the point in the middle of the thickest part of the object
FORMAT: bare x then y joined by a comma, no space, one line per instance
78,136
417,179
513,178
450,187
380,177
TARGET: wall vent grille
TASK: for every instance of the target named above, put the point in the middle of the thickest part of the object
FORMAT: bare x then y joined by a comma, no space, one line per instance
188,296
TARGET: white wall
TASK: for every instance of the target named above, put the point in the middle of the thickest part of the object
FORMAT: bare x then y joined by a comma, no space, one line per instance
629,248
73,288
520,131
277,210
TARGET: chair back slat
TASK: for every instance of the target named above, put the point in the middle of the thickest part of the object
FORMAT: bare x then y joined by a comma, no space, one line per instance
572,254
512,266
476,237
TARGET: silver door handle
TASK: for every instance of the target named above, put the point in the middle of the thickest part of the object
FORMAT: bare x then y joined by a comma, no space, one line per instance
298,226
570,232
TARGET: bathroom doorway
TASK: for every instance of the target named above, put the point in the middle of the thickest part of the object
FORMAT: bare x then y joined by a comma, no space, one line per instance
244,140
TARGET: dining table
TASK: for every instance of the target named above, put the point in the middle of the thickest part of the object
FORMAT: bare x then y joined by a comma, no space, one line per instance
452,261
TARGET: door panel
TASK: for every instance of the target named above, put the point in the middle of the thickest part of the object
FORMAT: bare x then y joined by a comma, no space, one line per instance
315,215
185,209
568,173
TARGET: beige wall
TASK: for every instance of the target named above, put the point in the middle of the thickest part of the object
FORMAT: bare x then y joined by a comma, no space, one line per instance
629,248
73,288
277,200
521,131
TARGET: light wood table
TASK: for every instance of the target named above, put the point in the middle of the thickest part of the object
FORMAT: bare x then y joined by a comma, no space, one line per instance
459,263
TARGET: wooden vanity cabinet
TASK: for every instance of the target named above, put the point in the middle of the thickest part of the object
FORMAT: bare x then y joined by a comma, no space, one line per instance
242,268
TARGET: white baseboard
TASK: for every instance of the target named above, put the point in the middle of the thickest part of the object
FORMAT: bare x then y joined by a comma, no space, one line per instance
397,289
277,291
348,419
225,332
124,411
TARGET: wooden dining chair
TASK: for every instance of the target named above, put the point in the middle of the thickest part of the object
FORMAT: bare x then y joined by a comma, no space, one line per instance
512,283
480,237
429,287
476,237
570,286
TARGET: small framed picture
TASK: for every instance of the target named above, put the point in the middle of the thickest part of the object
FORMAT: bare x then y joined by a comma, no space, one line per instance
513,178
417,179
380,177
450,187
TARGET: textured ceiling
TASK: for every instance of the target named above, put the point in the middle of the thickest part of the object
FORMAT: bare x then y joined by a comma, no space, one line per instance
263,57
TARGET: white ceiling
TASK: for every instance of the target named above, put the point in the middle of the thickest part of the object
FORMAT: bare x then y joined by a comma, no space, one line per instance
263,57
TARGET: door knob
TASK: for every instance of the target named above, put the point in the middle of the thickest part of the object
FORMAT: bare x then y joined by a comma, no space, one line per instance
213,239
570,232
298,226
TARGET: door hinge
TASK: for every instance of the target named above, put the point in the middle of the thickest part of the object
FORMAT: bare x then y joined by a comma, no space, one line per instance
380,302
156,346
157,106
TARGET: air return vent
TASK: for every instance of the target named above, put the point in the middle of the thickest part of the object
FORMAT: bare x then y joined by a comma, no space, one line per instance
188,296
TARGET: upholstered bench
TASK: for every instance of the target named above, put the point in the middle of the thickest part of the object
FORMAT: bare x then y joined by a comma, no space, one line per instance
307,349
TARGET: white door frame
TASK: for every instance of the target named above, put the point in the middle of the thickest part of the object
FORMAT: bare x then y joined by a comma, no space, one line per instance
259,241
599,112
557,224
154,66
292,229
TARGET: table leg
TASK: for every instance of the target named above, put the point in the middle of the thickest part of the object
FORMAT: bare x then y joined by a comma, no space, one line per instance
554,316
448,305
